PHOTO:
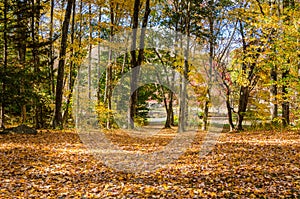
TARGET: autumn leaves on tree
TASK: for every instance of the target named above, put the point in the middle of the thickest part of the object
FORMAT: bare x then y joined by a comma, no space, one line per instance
250,48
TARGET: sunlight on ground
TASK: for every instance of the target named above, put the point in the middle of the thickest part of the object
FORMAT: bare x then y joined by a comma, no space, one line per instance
56,164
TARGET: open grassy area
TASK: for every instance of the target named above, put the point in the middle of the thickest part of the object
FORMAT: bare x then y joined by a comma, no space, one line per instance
55,164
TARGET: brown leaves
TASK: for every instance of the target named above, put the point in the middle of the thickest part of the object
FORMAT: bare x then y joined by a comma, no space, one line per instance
57,165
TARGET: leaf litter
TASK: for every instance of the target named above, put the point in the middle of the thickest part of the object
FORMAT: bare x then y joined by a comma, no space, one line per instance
56,164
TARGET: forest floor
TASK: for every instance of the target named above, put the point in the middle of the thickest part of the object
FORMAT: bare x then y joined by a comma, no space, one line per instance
56,164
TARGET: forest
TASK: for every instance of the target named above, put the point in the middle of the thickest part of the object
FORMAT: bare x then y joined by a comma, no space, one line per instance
217,79
250,50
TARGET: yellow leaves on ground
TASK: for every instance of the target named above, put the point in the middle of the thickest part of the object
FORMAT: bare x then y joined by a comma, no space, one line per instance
244,165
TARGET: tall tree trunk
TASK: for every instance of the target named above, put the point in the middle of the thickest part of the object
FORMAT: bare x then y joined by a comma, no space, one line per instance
211,58
57,122
285,104
109,68
22,54
168,104
133,97
51,56
244,90
5,57
22,60
78,67
183,103
183,97
90,53
35,25
99,55
99,44
72,72
171,100
136,61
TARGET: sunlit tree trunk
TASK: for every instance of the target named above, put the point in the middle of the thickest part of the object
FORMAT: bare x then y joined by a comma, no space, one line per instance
183,103
212,44
90,52
99,43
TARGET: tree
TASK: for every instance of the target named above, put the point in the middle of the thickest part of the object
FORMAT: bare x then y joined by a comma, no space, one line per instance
58,120
72,69
5,59
183,106
136,61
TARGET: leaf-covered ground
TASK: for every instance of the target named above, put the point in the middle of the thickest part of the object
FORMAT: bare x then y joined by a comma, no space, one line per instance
242,165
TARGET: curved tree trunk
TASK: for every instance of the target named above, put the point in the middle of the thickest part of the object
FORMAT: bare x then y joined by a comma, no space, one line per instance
229,110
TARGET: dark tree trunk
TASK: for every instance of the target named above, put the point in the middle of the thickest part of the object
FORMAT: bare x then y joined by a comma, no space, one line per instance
58,120
72,74
136,61
169,109
78,67
273,94
5,57
90,53
51,57
244,90
133,97
285,104
109,70
22,53
168,105
212,44
243,101
168,119
35,25
229,109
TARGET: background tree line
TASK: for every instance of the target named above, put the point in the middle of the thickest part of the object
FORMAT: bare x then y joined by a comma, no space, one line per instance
250,47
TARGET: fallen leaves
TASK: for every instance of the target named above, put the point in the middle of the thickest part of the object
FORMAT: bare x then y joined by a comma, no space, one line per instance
55,164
